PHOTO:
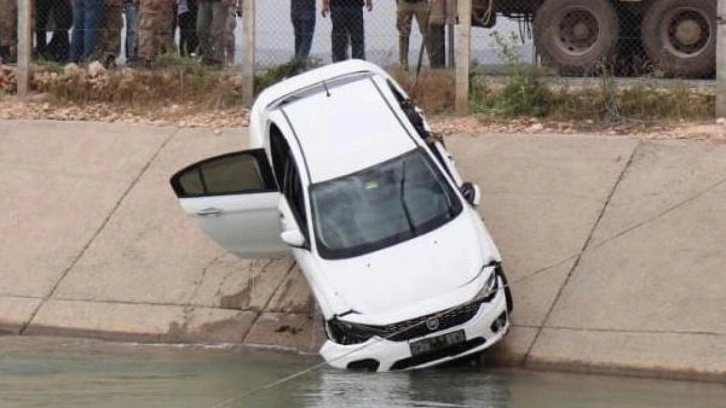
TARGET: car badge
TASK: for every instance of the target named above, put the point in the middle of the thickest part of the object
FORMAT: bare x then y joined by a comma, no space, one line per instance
432,323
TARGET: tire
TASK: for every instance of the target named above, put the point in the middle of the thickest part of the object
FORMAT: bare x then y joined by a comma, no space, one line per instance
575,35
679,36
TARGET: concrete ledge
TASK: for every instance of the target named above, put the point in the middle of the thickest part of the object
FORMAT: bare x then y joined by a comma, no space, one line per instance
512,351
141,322
16,312
663,355
301,332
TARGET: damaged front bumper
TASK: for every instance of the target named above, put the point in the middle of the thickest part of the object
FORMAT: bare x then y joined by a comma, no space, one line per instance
487,327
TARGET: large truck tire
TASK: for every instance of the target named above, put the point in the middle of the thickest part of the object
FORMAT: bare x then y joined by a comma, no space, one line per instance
575,35
679,36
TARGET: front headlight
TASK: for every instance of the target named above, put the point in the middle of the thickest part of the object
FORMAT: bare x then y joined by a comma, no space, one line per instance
491,285
346,333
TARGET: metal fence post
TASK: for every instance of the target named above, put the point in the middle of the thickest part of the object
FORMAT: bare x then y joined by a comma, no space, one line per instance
721,60
463,57
25,43
248,57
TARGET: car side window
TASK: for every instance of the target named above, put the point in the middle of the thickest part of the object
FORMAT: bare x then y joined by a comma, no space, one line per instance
280,152
231,173
287,175
293,191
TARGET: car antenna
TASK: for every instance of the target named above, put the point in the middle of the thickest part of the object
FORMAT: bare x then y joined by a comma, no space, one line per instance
327,91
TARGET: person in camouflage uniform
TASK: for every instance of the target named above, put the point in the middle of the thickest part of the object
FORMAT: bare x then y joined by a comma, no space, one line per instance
8,30
168,28
406,10
154,23
109,46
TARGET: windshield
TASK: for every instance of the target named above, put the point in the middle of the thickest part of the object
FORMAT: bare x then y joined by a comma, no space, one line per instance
381,206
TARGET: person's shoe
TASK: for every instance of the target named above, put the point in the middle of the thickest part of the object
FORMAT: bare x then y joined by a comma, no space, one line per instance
6,57
109,62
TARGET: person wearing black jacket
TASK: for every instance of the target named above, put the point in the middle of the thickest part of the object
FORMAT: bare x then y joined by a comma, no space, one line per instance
59,46
347,17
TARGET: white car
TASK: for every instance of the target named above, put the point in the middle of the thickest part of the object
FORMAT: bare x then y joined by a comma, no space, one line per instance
386,233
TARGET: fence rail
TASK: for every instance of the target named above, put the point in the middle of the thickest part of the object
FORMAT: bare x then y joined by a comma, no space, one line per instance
643,39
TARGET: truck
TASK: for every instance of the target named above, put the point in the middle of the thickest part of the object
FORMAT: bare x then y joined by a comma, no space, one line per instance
676,37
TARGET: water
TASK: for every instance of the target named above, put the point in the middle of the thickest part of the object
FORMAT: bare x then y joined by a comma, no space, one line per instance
36,372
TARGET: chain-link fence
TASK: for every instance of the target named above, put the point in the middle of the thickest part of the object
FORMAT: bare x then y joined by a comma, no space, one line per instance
645,39
664,37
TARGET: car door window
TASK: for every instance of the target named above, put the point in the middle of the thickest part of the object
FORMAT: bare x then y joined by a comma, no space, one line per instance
234,173
294,193
288,176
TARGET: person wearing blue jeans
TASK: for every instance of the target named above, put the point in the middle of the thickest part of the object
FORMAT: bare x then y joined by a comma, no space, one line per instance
87,15
302,14
347,16
131,11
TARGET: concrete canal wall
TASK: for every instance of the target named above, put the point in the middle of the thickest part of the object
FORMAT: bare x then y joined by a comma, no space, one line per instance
615,247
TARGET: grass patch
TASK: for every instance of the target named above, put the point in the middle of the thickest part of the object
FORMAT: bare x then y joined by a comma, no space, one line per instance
175,80
527,92
523,92
280,72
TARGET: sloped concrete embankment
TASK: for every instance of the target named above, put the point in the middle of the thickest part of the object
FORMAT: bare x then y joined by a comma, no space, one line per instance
614,247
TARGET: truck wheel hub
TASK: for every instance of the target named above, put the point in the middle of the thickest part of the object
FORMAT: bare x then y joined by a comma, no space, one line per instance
581,31
578,30
688,32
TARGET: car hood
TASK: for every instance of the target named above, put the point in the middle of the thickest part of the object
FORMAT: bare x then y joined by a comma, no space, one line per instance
407,279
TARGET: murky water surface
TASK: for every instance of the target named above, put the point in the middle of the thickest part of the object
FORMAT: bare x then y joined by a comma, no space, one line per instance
36,372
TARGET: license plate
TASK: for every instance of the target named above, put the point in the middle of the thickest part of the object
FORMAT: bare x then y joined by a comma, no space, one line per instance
437,343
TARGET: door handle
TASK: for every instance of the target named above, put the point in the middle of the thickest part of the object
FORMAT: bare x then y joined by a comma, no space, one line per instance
211,211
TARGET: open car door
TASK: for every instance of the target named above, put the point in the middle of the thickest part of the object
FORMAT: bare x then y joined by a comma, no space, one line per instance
234,198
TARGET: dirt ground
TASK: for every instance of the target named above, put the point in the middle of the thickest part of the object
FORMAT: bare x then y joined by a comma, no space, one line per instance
189,115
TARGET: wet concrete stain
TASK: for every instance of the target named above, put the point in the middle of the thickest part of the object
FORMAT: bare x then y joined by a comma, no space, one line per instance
288,329
289,303
240,300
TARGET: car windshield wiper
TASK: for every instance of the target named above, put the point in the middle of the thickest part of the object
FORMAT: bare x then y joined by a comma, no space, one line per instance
402,194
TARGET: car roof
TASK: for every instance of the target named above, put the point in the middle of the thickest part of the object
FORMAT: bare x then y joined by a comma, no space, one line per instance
347,127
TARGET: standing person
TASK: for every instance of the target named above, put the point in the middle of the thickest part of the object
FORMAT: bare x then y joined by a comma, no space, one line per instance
151,27
187,21
406,10
8,30
302,14
211,20
59,46
87,17
347,16
109,44
131,11
168,29
235,10
437,32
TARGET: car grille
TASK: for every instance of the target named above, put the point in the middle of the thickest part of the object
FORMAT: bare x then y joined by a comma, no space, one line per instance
417,327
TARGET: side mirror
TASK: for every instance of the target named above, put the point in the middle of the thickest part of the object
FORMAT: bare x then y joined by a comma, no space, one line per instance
471,193
293,237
